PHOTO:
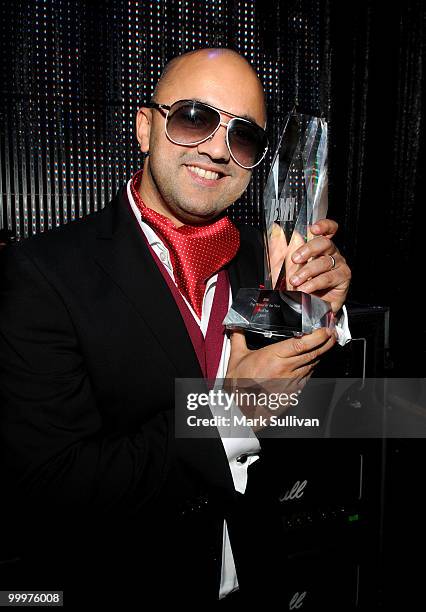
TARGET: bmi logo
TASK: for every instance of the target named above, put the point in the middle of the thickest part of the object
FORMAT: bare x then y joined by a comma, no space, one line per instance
285,208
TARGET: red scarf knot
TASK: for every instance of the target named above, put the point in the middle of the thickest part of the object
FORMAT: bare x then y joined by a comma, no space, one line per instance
196,252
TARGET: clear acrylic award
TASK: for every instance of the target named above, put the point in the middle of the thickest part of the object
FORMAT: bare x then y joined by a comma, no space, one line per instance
295,197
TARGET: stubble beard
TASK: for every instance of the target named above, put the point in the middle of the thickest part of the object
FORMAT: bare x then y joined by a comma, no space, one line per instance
187,210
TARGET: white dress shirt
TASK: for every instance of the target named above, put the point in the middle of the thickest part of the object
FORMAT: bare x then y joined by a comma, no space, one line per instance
234,447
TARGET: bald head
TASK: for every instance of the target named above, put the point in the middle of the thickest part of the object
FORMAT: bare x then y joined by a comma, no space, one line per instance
195,183
218,60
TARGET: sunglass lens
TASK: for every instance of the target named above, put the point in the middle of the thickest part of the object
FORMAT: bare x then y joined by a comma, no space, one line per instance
247,143
189,122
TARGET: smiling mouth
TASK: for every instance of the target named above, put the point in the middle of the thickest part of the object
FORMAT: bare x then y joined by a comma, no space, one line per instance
206,174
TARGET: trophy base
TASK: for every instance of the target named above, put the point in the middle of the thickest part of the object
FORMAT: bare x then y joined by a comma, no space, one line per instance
277,315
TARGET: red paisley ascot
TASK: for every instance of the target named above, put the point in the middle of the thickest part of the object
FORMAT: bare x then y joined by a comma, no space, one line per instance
196,252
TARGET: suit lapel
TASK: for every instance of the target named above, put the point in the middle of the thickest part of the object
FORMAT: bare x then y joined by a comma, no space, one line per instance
123,254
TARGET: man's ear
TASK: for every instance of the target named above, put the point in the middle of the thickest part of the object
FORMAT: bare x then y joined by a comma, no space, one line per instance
143,128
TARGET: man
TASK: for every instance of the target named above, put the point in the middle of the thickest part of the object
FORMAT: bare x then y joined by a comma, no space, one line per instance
97,320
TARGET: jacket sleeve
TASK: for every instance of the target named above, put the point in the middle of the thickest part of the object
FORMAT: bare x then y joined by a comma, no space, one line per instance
52,441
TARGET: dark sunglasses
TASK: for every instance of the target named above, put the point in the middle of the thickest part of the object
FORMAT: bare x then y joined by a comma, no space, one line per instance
189,122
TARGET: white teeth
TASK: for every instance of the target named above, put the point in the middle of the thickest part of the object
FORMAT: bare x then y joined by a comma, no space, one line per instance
213,176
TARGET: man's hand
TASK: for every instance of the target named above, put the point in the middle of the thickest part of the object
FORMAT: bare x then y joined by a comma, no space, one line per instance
292,358
316,274
284,367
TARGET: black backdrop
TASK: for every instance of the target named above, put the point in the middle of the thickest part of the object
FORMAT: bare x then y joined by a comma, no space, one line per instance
73,73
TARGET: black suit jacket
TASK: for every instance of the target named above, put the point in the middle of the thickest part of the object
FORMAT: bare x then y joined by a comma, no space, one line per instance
91,341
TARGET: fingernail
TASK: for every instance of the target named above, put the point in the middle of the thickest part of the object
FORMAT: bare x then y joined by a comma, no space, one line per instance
295,280
316,228
297,257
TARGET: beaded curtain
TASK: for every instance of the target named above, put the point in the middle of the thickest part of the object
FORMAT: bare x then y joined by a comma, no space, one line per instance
74,72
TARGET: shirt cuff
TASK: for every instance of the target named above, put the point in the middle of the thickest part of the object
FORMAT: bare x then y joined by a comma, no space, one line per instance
342,327
241,445
240,455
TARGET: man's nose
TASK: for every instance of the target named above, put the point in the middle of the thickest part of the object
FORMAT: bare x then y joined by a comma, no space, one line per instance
215,147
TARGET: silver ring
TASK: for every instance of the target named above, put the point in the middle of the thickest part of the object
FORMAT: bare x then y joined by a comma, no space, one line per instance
333,262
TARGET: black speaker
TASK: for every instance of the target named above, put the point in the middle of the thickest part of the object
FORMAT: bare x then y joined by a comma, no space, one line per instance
368,354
